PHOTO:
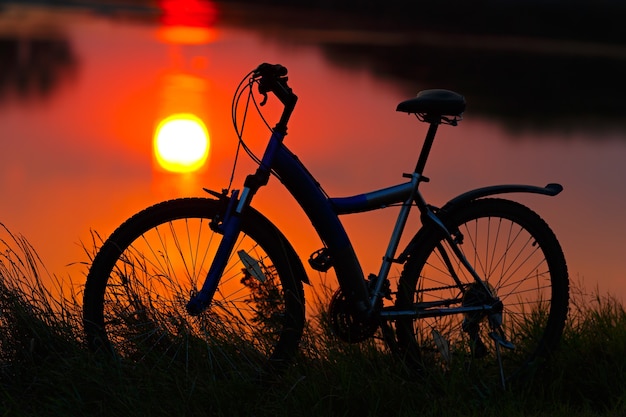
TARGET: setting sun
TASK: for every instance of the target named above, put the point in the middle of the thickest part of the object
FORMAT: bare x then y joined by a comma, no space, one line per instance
181,143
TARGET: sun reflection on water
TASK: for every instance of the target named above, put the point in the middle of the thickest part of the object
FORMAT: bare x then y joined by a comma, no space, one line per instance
181,139
90,146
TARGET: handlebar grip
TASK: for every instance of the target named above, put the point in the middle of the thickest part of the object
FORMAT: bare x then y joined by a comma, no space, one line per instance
270,70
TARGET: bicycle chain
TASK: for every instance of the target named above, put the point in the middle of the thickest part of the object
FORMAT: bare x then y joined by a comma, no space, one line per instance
448,287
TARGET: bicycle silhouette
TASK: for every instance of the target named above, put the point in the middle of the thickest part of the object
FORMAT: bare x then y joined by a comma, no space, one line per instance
484,278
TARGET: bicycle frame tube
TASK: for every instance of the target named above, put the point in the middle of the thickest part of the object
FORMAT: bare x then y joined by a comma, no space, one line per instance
373,200
323,212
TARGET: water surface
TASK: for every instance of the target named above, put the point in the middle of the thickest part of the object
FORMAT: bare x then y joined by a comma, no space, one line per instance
81,94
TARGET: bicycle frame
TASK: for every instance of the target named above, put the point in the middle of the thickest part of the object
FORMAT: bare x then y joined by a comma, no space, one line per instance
324,211
486,275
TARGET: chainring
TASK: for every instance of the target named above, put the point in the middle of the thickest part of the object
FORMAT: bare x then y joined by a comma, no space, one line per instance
345,324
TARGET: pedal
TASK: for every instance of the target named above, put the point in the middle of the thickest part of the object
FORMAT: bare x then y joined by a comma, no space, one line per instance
443,345
320,260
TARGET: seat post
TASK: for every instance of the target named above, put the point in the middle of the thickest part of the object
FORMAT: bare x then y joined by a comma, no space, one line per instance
428,143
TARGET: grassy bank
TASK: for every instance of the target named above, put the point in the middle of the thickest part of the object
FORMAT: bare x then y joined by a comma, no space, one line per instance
46,371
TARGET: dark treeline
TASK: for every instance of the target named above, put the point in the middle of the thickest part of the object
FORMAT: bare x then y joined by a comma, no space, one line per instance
551,63
33,67
600,20
593,20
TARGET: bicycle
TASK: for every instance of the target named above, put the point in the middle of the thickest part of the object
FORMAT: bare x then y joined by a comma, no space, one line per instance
484,278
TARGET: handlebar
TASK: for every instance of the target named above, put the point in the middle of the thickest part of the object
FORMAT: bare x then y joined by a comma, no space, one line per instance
272,78
266,69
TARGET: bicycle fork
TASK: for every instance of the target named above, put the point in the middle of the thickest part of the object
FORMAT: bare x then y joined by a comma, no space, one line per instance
230,226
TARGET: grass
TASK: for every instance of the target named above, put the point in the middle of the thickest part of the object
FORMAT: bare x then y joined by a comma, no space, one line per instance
45,369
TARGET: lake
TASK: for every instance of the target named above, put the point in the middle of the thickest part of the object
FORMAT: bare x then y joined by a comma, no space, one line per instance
82,91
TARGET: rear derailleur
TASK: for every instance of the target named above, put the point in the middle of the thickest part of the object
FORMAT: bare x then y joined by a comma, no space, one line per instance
476,296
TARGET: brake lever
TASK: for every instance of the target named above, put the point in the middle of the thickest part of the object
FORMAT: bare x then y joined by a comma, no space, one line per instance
264,94
262,90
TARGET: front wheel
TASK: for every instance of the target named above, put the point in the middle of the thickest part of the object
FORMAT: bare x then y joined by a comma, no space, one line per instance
144,274
517,255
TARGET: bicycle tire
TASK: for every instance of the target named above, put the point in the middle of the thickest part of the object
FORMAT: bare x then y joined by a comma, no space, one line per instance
142,277
522,261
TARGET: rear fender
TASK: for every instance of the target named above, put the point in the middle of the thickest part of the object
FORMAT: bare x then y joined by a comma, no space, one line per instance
549,190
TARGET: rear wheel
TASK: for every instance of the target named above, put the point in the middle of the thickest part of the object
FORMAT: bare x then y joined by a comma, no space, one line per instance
142,278
514,251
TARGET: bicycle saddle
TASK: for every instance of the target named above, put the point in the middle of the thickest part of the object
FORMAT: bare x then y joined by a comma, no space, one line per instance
434,102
